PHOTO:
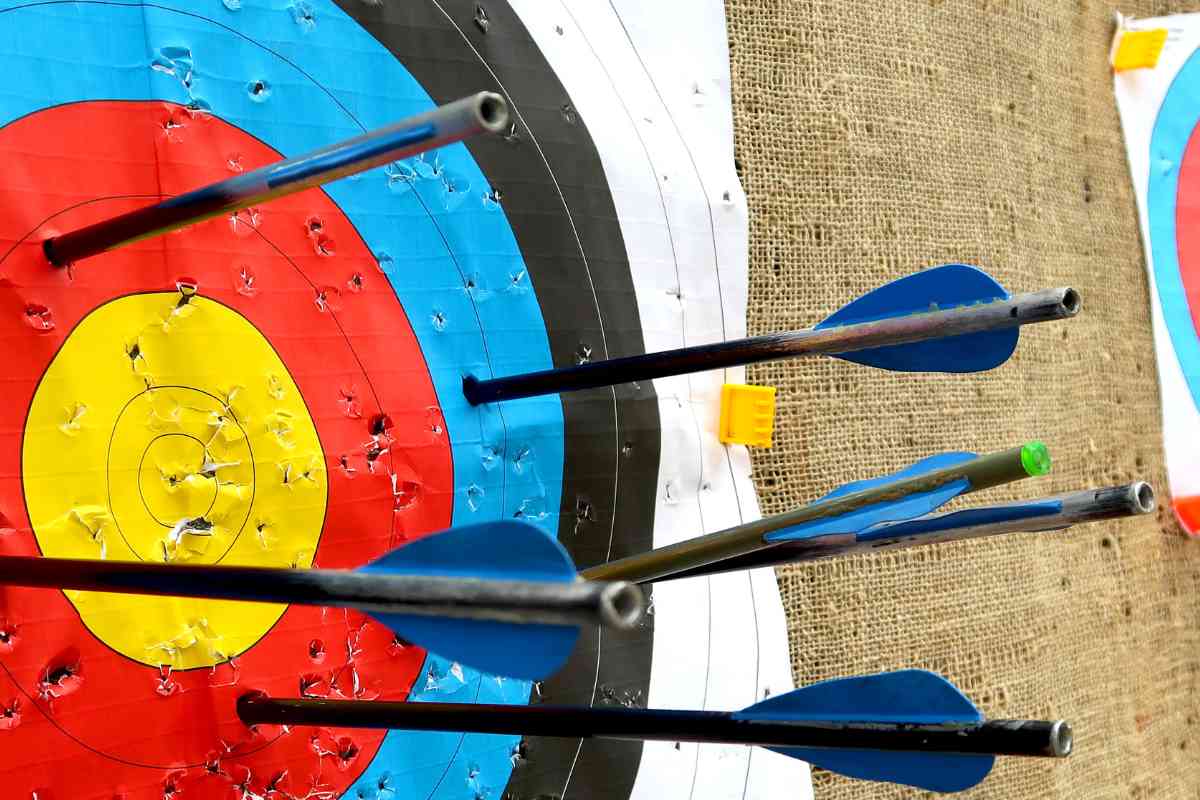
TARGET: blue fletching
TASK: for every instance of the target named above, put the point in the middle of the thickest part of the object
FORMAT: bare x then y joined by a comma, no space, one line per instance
506,550
939,288
913,696
913,505
966,518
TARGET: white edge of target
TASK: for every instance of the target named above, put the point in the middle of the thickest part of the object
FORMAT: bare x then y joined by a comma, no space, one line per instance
658,77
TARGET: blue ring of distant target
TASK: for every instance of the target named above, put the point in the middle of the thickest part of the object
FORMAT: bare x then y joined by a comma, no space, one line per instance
455,266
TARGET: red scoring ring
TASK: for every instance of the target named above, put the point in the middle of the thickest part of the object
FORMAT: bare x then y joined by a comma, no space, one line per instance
1187,225
1187,236
317,295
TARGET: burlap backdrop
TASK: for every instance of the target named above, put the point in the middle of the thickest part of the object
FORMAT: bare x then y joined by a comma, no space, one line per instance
876,138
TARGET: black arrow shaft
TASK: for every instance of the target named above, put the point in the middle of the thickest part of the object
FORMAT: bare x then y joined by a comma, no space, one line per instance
1044,306
997,737
563,603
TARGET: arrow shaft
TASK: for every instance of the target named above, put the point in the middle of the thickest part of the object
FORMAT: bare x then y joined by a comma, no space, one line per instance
981,472
1058,512
1050,514
1024,309
532,602
449,123
997,737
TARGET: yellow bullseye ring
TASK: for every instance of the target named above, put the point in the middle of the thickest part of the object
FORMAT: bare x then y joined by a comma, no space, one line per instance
167,429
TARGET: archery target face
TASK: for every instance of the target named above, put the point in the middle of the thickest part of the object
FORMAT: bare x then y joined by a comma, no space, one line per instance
231,413
276,388
1160,111
283,386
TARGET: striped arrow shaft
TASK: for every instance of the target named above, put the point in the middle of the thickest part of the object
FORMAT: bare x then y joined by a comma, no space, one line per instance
1048,514
617,605
979,473
444,125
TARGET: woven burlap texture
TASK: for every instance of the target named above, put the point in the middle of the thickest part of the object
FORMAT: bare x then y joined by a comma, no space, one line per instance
877,138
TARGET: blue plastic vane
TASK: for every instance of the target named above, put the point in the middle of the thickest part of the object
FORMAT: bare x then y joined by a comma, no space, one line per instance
939,288
505,550
905,508
967,518
912,696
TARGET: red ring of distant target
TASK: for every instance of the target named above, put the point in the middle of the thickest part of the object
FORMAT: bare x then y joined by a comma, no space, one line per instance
316,293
